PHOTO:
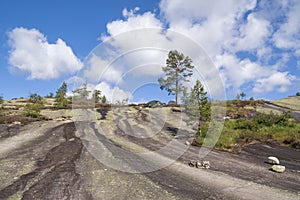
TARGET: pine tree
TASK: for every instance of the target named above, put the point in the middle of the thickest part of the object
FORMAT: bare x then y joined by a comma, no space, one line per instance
96,95
243,95
197,105
60,97
82,93
103,99
178,68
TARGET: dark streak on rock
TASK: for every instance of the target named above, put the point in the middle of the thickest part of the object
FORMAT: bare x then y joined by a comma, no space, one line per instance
55,177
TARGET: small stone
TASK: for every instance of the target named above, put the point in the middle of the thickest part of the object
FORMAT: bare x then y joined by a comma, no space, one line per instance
278,168
71,139
16,123
187,143
192,163
206,164
273,160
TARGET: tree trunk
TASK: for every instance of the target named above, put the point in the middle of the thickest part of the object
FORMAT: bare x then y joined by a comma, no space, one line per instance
176,90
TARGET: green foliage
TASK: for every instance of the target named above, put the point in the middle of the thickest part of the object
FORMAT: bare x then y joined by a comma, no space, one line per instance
262,127
82,93
96,96
272,119
178,68
60,97
34,98
50,95
197,106
246,124
242,95
261,120
171,102
61,101
196,103
63,88
1,99
103,99
298,94
33,108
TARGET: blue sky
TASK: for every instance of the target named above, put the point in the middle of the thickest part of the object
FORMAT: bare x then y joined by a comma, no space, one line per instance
254,45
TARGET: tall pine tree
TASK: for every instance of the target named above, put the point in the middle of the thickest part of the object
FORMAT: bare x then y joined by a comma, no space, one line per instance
178,68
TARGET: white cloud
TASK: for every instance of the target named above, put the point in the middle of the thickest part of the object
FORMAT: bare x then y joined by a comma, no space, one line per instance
31,53
101,69
279,81
287,36
227,27
212,24
132,21
238,72
223,29
253,34
113,94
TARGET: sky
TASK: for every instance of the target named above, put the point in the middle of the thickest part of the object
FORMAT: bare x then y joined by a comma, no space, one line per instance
119,47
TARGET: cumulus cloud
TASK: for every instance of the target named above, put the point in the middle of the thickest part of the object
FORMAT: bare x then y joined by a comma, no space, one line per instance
287,36
253,34
239,37
101,69
31,53
132,21
228,27
279,81
113,94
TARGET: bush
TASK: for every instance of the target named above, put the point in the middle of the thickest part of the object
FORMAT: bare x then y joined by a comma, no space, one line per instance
35,98
32,110
61,100
272,119
246,124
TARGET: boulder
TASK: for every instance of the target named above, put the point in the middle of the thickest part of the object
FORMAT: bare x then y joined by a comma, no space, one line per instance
278,168
273,160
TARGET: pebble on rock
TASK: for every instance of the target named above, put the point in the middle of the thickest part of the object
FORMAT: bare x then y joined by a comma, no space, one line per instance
273,160
278,168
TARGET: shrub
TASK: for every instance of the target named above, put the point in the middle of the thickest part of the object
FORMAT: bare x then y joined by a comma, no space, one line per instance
34,98
103,100
171,102
34,106
246,124
271,119
32,110
60,99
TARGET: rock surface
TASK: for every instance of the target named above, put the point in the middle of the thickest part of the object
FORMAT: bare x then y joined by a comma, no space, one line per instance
47,160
